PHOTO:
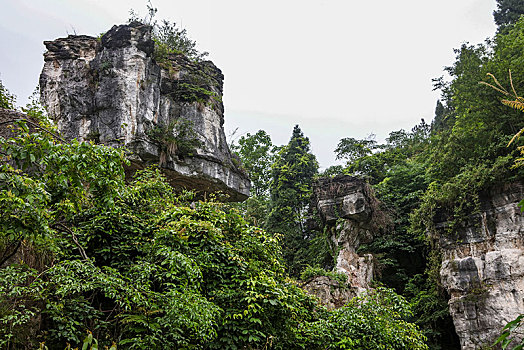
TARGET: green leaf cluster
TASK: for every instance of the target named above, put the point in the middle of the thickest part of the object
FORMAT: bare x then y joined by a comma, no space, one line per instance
138,266
292,176
168,37
375,320
7,100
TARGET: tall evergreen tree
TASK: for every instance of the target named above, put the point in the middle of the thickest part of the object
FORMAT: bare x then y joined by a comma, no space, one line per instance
439,122
292,176
7,100
508,12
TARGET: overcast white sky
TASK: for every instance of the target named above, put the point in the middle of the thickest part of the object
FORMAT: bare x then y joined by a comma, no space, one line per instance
338,68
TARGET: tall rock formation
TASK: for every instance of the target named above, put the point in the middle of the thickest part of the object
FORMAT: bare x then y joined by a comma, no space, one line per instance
168,111
483,267
350,214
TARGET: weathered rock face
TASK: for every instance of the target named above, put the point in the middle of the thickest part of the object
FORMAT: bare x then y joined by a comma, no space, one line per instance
347,209
330,292
112,91
483,267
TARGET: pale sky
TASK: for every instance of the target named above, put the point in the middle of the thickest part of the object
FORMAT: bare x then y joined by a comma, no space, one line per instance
338,68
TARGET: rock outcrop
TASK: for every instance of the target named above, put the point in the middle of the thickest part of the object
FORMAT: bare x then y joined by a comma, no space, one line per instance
329,291
168,111
349,211
483,267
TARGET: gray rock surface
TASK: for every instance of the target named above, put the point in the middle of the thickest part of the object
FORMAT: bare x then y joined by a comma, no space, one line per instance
112,91
483,267
330,293
348,210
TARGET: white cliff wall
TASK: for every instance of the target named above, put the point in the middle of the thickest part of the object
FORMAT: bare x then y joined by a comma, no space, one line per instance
483,268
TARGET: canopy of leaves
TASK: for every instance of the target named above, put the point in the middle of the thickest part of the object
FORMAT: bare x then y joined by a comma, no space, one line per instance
292,176
352,149
257,154
139,267
439,173
471,153
508,12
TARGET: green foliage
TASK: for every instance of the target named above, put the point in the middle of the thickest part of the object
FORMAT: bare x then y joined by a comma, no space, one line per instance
471,154
508,12
375,320
511,329
400,251
439,175
332,171
292,176
371,161
311,272
175,139
44,182
36,111
352,149
17,316
257,154
398,171
138,267
169,39
7,100
187,92
255,209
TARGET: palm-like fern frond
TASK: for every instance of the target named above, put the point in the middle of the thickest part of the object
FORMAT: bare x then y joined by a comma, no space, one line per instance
514,104
517,103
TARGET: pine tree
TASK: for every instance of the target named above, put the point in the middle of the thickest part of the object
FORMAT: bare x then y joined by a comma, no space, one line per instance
508,12
292,176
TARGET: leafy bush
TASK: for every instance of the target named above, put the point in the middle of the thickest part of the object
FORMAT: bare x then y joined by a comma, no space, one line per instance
311,272
175,139
375,320
169,39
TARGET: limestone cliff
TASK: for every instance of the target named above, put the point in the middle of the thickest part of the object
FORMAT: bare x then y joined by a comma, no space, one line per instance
349,213
112,91
483,267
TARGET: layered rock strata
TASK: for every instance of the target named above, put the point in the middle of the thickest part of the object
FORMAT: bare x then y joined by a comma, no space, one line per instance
483,267
348,211
169,111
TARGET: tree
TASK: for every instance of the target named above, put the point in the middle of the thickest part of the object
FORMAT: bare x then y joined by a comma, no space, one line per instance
7,100
352,149
292,176
441,120
257,154
508,12
469,154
